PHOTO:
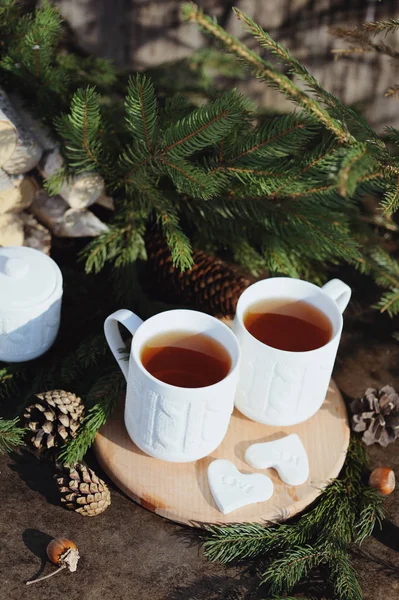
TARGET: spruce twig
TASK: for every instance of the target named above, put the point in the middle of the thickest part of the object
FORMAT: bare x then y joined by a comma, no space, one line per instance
346,513
360,36
265,70
11,434
387,26
102,397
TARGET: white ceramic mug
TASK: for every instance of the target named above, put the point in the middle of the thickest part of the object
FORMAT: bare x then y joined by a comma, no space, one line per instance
278,387
173,423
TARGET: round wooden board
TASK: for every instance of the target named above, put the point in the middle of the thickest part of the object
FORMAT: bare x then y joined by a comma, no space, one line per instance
180,491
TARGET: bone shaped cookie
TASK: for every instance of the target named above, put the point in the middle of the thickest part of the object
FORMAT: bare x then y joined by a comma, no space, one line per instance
287,455
232,489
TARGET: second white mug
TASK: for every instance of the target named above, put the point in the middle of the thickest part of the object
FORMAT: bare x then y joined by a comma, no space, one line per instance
278,387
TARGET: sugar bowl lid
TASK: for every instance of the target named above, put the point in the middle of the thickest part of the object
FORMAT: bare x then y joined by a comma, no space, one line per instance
27,277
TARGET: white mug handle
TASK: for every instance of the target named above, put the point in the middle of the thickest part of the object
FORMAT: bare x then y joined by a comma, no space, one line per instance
132,322
339,292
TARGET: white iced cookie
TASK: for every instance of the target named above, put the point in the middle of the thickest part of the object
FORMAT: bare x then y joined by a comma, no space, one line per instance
287,455
232,489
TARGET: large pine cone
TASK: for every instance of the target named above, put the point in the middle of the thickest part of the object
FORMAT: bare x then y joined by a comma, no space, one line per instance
211,285
377,415
54,417
82,491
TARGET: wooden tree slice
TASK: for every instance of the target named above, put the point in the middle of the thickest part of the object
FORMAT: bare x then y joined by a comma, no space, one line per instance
180,491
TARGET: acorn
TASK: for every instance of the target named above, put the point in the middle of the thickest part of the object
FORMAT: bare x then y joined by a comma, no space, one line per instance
383,480
63,553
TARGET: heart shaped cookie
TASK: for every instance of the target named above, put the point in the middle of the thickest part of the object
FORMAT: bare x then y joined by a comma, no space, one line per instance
287,455
232,489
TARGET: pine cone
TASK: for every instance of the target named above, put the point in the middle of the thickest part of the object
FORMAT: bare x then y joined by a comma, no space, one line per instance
211,285
53,418
82,491
377,414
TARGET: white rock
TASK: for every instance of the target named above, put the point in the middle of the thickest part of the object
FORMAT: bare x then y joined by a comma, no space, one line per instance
49,210
10,194
28,151
106,202
54,212
232,490
16,192
8,138
35,235
37,129
287,455
81,223
79,191
51,162
84,190
11,230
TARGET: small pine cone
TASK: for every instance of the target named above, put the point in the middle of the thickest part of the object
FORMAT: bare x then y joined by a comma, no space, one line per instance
52,419
82,491
377,415
211,285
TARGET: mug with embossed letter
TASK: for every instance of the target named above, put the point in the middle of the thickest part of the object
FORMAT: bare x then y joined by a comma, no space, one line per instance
182,375
289,331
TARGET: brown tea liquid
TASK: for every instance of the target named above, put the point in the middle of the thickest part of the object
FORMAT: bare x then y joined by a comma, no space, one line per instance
287,324
185,359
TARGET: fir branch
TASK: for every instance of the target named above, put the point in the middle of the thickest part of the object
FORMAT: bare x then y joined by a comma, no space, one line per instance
166,214
265,70
10,375
321,154
81,131
278,137
370,515
360,38
386,267
9,14
190,179
387,26
227,543
102,399
283,573
339,110
385,271
87,355
392,91
102,249
54,182
205,126
390,202
334,516
178,242
142,113
11,434
343,576
389,302
42,36
352,168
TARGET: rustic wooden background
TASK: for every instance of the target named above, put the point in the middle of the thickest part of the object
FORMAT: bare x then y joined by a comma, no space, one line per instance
142,33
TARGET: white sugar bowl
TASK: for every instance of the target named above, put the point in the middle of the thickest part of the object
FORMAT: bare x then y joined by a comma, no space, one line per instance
30,303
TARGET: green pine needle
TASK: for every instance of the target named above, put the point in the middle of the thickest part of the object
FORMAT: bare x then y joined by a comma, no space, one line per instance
346,512
343,576
387,26
102,398
283,573
81,129
142,114
11,434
